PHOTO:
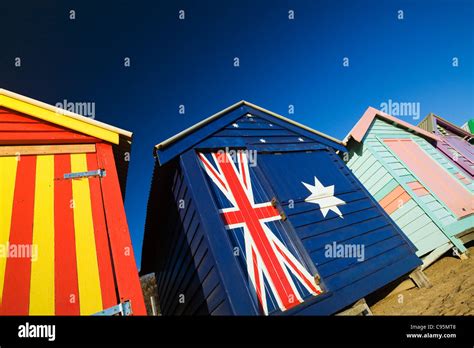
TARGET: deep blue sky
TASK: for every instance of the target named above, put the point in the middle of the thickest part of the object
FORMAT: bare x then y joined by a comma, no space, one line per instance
282,62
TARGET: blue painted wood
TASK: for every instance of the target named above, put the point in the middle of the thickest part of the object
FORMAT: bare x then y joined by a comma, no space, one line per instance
238,116
230,273
199,260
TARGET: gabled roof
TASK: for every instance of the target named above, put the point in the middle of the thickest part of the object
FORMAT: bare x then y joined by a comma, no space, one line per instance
60,117
121,139
469,126
205,128
430,122
362,126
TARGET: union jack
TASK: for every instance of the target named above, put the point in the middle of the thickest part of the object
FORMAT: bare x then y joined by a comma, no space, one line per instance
267,258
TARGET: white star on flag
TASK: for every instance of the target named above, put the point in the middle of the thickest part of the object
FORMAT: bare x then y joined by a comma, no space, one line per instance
324,196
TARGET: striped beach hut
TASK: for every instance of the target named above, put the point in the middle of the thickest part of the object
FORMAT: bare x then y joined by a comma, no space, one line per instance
429,197
251,213
65,247
455,142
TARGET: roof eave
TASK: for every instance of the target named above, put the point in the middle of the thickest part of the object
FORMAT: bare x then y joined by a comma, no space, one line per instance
70,114
358,132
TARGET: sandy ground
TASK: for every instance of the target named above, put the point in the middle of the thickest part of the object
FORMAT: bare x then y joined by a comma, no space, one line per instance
452,292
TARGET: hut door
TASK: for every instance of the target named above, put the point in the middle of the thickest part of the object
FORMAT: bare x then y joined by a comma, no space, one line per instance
54,251
275,270
448,189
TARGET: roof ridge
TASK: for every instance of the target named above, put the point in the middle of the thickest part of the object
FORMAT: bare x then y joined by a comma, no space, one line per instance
217,115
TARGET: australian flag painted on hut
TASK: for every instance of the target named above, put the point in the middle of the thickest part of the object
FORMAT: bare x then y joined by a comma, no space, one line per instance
251,213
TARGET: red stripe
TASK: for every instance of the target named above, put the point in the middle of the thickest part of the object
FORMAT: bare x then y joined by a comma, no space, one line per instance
17,128
235,217
107,282
262,243
242,169
128,283
16,292
257,279
65,266
214,173
293,266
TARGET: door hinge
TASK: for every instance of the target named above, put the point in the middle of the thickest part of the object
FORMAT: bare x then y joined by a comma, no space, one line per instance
99,172
123,309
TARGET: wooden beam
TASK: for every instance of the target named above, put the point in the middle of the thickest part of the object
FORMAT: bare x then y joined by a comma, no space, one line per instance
360,308
45,149
435,255
420,279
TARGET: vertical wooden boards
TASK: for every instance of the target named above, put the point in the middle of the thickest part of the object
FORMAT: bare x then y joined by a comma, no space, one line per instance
16,289
104,259
66,284
8,168
42,268
61,223
87,265
128,283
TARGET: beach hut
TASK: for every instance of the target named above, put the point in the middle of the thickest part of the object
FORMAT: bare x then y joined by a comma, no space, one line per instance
469,126
251,213
455,142
65,247
429,197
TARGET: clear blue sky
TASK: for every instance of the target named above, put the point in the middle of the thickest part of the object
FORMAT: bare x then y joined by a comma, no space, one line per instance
282,62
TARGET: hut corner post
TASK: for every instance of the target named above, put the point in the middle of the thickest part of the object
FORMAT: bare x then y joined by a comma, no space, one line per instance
420,279
360,308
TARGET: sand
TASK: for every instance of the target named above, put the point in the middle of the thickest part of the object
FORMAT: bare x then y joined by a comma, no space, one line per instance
452,292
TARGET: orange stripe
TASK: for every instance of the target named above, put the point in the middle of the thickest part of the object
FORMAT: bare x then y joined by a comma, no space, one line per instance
107,282
398,203
391,196
16,292
66,287
418,188
394,199
433,175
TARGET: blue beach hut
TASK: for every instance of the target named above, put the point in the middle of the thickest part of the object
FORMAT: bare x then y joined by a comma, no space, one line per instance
251,213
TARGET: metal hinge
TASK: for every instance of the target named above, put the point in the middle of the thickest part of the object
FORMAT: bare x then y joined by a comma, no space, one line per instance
99,172
124,309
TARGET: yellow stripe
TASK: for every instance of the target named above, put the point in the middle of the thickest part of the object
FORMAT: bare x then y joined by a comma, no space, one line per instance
87,267
42,269
8,166
59,119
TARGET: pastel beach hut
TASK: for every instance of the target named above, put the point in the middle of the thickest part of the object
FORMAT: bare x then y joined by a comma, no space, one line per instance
469,126
455,142
425,193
